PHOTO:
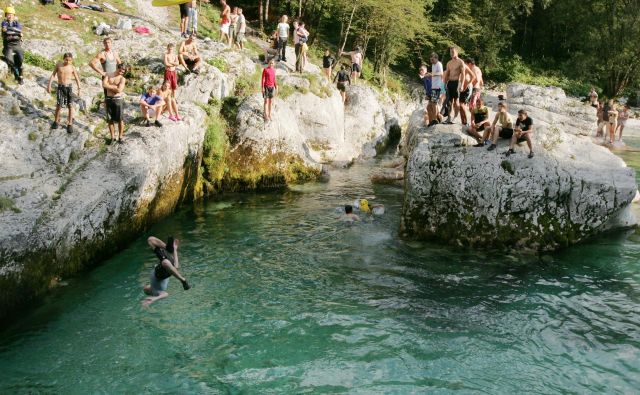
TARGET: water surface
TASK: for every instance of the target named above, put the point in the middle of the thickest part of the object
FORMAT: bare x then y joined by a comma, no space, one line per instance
287,299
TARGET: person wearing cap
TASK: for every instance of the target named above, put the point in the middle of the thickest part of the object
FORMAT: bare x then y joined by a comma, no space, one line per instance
12,43
522,132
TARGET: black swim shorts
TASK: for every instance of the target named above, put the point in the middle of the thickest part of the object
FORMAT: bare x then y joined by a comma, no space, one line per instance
506,133
342,86
465,95
452,89
114,109
184,10
355,68
64,95
268,92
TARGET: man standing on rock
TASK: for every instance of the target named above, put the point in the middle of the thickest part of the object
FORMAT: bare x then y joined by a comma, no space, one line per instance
454,77
522,132
106,62
269,87
465,92
225,21
356,63
283,37
65,72
478,85
242,28
12,43
114,100
184,19
167,267
436,90
189,55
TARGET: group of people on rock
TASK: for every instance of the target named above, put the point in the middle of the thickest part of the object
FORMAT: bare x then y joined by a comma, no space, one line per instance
233,26
457,89
611,118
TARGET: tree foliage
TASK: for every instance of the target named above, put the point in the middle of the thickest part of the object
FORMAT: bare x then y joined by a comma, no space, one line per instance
590,40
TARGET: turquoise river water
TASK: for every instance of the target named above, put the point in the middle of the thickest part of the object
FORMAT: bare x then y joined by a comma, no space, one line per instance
287,299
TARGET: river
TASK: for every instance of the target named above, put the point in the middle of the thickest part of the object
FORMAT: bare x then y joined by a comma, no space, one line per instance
288,299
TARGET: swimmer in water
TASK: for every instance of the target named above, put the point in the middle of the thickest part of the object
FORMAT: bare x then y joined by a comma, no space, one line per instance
376,209
163,270
349,216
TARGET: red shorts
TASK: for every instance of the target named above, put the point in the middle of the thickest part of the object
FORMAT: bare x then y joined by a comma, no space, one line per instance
172,77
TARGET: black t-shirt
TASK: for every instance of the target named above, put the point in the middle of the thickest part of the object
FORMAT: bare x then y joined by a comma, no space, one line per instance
524,124
160,272
343,76
605,113
327,61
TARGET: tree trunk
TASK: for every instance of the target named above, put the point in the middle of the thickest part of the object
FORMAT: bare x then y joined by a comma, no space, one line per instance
299,9
346,33
261,15
266,11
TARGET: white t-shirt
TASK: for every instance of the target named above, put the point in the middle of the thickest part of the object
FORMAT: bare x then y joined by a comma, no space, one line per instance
436,80
283,30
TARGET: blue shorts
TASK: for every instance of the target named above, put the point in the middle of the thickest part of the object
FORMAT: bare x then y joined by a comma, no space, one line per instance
158,286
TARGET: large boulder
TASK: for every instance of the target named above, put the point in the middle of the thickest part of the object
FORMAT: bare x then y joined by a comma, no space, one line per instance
551,106
319,128
571,190
69,200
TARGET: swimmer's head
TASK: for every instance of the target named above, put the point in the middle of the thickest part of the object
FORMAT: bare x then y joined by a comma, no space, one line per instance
348,209
364,206
169,246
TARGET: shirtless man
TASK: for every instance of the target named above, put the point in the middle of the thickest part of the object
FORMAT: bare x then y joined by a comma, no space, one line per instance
65,71
171,63
465,92
189,55
356,63
106,62
225,21
479,84
114,86
454,76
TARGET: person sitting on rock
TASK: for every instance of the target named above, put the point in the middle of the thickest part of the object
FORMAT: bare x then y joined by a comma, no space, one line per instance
12,43
349,216
151,105
170,103
479,122
114,86
425,78
522,132
269,87
168,266
343,78
270,52
65,72
502,126
189,55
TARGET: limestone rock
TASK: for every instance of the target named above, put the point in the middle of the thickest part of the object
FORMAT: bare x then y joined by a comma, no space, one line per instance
210,83
570,191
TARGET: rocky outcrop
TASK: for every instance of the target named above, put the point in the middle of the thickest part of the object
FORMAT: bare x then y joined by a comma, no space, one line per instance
570,191
75,199
316,126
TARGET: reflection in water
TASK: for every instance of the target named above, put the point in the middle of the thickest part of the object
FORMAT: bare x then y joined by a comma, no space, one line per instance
289,299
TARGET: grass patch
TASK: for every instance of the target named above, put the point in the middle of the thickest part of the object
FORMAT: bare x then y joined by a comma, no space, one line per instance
39,61
8,204
248,84
219,63
285,91
33,136
74,156
214,152
209,21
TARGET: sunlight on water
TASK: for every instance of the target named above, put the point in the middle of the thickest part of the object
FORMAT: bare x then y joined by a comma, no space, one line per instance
288,299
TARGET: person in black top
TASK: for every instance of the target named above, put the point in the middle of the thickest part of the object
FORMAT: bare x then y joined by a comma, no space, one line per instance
523,131
12,43
166,267
343,78
327,64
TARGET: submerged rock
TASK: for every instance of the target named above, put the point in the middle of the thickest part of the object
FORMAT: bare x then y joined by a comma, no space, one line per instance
571,190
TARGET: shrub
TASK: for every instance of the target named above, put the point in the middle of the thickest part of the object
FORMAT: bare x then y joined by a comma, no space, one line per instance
39,61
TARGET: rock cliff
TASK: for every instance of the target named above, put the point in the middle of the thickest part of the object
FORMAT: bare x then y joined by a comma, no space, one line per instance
570,191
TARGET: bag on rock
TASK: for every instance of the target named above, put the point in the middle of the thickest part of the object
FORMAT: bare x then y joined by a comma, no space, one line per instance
124,24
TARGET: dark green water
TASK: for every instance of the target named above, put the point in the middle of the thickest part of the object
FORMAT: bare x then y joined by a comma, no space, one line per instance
288,300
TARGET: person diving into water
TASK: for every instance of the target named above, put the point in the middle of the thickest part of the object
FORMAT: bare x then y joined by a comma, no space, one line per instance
163,270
